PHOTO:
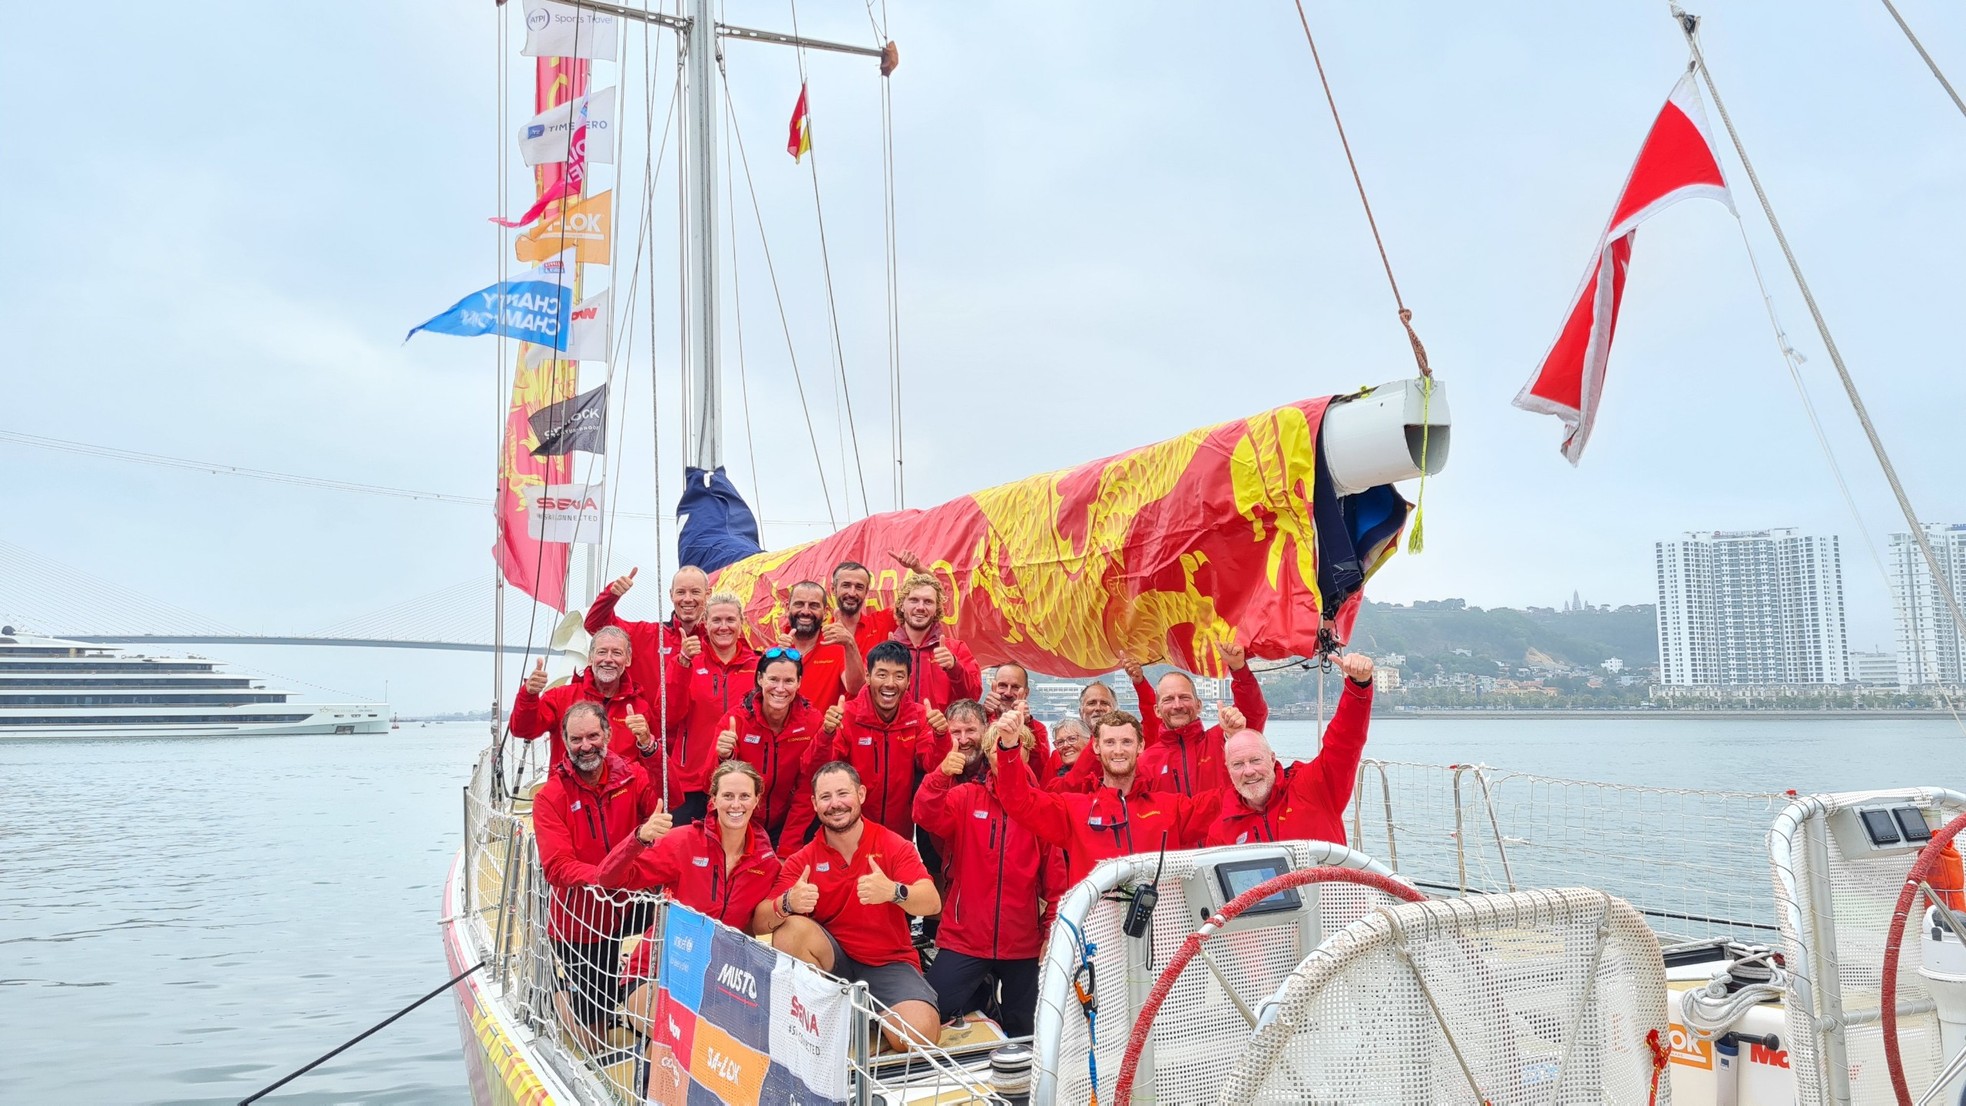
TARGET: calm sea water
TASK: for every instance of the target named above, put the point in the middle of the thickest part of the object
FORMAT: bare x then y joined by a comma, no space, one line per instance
189,920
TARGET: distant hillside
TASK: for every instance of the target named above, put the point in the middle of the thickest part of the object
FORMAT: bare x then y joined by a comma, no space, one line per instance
1437,627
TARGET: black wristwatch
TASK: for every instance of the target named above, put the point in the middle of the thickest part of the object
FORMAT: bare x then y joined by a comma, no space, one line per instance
900,893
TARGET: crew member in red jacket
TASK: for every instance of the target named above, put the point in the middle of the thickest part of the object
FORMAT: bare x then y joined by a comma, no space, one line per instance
720,676
1118,819
662,649
1304,801
943,670
1010,686
853,583
776,729
1186,758
886,736
537,709
1001,881
843,902
723,866
590,803
834,665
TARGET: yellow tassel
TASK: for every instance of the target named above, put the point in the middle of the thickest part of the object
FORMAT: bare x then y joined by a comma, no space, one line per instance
1417,541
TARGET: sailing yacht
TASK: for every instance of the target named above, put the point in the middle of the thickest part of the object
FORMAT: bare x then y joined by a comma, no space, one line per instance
1483,936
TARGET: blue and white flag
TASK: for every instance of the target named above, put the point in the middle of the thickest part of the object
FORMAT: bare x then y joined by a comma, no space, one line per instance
535,307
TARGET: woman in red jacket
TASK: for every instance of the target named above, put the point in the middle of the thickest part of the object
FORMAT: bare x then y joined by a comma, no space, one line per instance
775,729
718,679
723,866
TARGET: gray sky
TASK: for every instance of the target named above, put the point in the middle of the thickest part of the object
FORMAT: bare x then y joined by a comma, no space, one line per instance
1117,222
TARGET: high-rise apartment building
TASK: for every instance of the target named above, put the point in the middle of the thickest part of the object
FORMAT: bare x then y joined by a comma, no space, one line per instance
1928,641
1751,607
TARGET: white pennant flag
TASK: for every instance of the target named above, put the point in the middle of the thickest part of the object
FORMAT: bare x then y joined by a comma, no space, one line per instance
548,136
565,31
588,335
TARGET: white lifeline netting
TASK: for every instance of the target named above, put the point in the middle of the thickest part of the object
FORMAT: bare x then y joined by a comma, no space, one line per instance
1548,996
1197,1037
1842,940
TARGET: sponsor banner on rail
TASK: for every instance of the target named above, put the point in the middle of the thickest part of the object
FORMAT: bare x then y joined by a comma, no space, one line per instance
738,1022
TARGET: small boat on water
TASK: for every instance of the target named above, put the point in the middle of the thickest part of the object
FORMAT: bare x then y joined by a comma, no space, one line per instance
50,687
1482,937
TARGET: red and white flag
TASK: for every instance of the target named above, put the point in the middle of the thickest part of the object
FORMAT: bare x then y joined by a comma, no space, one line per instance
571,182
1676,163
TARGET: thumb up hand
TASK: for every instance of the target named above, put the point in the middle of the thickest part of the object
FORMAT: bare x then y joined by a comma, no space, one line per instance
727,740
803,897
622,584
658,824
943,657
875,887
937,721
835,714
638,725
536,682
953,764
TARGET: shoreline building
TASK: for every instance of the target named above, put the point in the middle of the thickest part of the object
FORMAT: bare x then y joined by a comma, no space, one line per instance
1754,608
1929,649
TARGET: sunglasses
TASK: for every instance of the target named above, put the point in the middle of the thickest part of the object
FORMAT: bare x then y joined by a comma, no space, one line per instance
788,654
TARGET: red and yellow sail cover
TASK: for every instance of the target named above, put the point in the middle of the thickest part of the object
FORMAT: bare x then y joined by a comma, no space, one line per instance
1167,551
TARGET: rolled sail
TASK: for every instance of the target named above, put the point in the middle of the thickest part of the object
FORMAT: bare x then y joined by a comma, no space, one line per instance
1231,533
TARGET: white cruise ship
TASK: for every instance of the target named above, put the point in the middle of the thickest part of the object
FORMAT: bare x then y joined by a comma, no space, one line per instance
55,688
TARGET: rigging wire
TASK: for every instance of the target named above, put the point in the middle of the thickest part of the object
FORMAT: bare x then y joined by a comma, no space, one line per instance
1929,63
500,391
737,298
1689,24
845,395
889,224
784,321
1405,314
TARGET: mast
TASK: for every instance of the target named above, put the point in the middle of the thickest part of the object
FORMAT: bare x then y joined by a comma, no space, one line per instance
703,435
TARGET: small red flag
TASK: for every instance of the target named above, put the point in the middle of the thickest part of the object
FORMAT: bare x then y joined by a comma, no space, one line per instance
800,140
1676,163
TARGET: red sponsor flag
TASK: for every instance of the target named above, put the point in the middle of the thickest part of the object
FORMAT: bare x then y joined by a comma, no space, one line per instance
1676,163
799,142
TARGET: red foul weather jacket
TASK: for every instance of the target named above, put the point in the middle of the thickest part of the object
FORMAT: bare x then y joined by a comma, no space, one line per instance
688,862
929,680
1104,824
1308,800
575,825
1189,760
779,755
650,644
533,715
716,693
886,754
998,870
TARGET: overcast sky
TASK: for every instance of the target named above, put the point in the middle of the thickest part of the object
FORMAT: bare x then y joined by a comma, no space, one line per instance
1116,222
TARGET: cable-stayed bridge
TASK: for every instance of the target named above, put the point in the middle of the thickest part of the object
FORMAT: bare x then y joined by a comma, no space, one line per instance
42,596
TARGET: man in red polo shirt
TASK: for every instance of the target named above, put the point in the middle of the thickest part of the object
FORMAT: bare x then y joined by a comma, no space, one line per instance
835,666
852,583
842,904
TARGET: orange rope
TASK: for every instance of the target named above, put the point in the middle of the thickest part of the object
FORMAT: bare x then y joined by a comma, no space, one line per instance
1405,314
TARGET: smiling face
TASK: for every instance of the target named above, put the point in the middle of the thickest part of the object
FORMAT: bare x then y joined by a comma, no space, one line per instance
607,656
722,627
1251,767
1068,740
1095,700
733,796
850,590
587,742
1175,702
837,800
888,682
966,730
1118,749
805,610
686,595
920,608
778,685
